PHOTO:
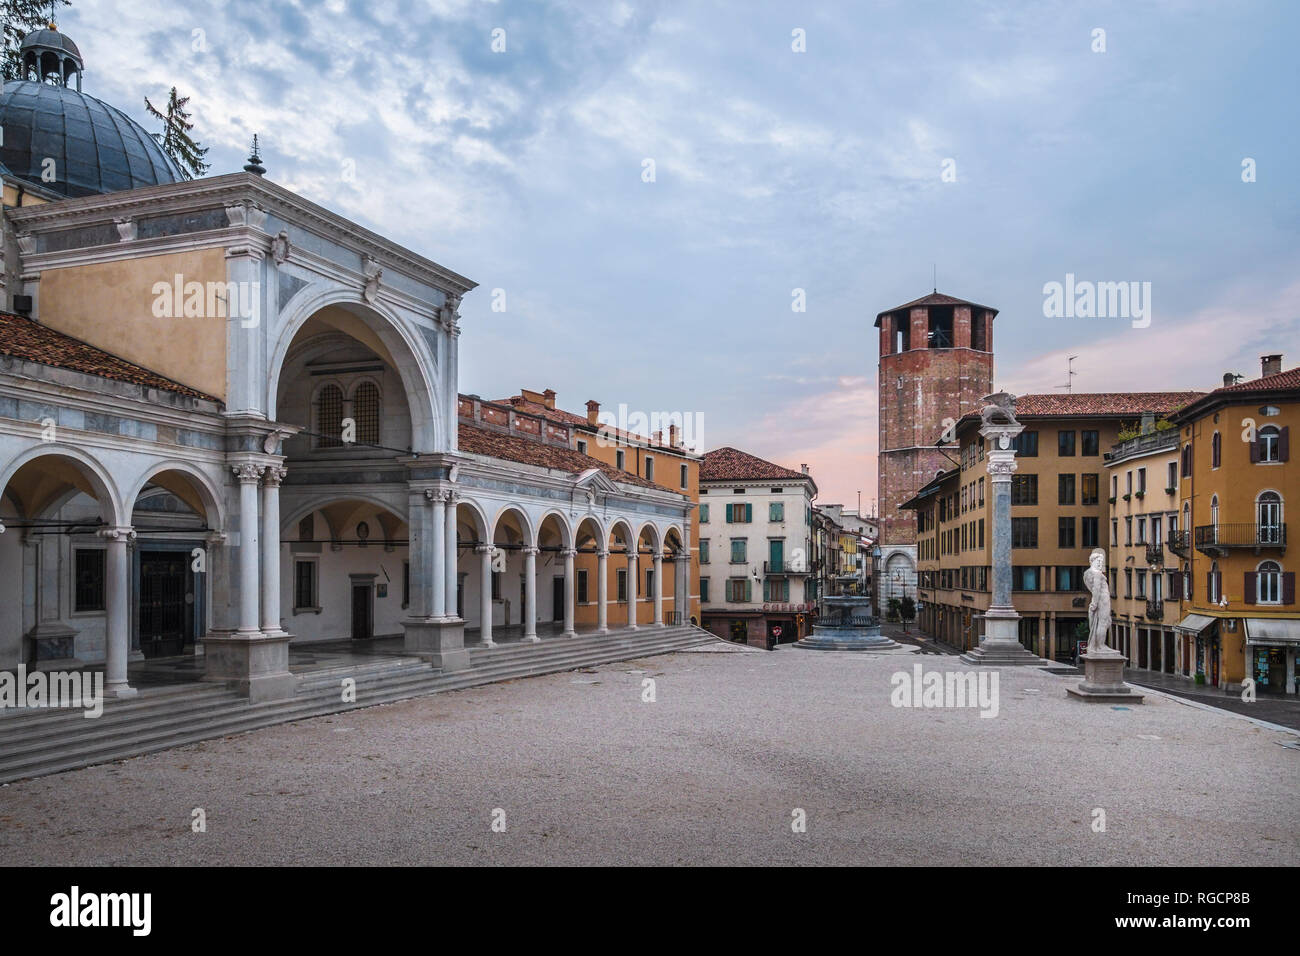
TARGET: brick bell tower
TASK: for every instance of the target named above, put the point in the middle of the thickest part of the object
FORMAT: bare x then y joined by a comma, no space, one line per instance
936,362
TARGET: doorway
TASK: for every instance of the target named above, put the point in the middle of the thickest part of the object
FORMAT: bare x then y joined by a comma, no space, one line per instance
166,604
557,598
363,612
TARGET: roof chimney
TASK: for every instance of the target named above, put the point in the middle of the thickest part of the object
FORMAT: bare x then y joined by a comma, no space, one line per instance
1229,379
1148,423
593,412
658,438
549,395
673,440
804,469
1272,364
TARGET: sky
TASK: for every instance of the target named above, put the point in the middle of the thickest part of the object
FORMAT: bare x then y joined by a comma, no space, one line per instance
841,154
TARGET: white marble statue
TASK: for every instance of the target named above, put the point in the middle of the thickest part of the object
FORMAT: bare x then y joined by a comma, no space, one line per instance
1094,579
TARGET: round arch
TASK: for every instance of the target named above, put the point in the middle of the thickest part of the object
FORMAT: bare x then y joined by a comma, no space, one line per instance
417,373
525,526
478,517
567,536
96,475
215,512
303,509
656,536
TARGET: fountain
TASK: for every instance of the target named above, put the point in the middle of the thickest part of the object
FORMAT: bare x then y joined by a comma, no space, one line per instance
849,625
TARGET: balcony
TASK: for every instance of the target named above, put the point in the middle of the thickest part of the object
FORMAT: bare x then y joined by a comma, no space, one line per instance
1155,554
1156,610
1220,539
784,567
1180,542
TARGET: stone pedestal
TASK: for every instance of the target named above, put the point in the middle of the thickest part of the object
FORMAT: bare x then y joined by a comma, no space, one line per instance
1001,646
441,643
255,664
1103,679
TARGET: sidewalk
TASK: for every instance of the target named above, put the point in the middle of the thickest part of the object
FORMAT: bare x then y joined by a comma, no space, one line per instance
913,635
1277,708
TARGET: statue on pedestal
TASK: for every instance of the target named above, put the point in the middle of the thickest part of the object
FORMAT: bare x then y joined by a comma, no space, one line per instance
1094,579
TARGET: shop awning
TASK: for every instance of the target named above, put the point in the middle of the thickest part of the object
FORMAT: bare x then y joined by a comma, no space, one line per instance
1273,631
1194,623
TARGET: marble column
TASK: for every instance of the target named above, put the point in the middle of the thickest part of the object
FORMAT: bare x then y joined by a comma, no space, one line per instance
484,551
631,588
417,552
247,476
1001,642
450,565
271,480
530,594
117,604
570,590
602,591
658,595
437,552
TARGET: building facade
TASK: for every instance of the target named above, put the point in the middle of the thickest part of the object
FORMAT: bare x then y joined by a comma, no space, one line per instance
756,541
1236,479
936,364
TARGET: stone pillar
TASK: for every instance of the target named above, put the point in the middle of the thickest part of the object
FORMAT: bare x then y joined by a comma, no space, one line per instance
659,589
530,595
248,576
271,480
484,551
451,563
631,588
602,590
1001,643
437,553
570,590
117,603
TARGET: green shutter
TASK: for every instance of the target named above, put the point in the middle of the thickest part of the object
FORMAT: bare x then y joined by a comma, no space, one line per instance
728,514
766,590
749,512
749,590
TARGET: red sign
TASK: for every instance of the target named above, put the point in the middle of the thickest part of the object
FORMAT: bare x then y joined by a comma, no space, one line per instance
776,631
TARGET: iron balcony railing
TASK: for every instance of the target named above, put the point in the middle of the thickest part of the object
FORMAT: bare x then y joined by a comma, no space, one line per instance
1155,553
1180,542
785,567
1217,537
1155,609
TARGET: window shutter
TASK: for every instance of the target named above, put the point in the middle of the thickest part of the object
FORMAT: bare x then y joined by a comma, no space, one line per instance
1209,584
749,590
1175,586
749,513
1218,584
728,514
1288,587
767,590
1284,443
1214,451
1254,449
1190,588
1250,587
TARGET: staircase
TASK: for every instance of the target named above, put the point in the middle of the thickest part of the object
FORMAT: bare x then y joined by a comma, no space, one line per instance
38,742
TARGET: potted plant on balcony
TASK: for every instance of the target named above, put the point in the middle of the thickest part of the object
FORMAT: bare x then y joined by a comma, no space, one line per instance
1140,494
1128,497
1112,499
1171,491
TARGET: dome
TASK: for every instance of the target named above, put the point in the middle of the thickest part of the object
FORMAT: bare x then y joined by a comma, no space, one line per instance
50,39
96,148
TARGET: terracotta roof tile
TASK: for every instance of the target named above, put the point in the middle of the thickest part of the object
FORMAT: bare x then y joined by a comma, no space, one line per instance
1282,382
486,441
731,464
26,339
1103,404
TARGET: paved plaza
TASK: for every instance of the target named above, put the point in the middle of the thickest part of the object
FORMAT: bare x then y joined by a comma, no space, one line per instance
584,771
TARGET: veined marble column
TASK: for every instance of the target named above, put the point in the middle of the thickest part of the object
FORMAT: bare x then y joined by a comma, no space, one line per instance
1001,643
450,568
602,590
438,553
248,577
659,588
530,594
484,552
418,556
570,590
271,480
117,602
631,588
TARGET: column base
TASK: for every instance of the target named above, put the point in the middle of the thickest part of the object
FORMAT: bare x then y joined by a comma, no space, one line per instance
532,639
570,634
1001,646
440,642
118,691
251,663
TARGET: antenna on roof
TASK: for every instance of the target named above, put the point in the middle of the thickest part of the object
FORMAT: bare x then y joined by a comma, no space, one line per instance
1069,374
935,271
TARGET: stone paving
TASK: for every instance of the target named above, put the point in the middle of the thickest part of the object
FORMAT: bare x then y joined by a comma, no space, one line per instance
585,772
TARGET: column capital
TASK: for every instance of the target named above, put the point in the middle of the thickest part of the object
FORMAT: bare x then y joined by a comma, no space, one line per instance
125,534
603,553
484,548
569,552
214,538
658,558
247,473
530,550
273,475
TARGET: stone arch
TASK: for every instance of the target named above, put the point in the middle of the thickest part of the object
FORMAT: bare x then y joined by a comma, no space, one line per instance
567,537
528,535
98,482
415,366
208,495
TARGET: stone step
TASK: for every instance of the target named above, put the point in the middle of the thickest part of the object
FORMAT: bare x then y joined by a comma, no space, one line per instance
221,713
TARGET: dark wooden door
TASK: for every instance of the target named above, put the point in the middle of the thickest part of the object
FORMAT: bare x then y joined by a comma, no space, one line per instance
164,613
363,622
557,599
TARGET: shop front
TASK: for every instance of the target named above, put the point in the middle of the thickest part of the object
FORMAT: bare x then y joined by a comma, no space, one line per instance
1271,647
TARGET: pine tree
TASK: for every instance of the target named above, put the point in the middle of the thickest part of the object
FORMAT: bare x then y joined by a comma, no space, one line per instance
175,138
19,18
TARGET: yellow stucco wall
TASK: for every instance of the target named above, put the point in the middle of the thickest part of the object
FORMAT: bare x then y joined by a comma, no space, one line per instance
111,306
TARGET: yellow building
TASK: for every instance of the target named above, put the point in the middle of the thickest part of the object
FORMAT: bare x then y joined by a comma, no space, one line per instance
1235,479
662,460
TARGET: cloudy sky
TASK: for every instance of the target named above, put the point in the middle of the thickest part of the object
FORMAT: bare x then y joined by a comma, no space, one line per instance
774,170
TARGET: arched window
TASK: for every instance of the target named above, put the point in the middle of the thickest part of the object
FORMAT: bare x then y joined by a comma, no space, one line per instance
1268,516
1212,590
329,417
365,409
1268,583
1269,443
1215,450
1214,511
